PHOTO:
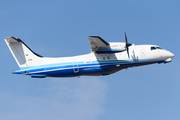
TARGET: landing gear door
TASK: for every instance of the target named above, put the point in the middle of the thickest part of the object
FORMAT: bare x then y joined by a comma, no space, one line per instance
75,67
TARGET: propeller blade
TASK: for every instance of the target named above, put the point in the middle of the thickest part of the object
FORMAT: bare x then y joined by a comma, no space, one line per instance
126,38
127,45
127,51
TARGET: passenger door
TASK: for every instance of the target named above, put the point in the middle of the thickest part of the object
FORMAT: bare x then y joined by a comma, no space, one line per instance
75,67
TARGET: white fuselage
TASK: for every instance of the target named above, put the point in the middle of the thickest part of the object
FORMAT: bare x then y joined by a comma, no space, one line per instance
98,64
105,58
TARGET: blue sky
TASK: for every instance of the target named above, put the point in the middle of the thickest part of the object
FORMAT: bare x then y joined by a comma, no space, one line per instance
61,28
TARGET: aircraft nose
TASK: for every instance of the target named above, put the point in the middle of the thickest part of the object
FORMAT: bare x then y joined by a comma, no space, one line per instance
167,54
171,55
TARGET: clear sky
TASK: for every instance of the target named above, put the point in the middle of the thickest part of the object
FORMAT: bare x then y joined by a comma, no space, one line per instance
61,28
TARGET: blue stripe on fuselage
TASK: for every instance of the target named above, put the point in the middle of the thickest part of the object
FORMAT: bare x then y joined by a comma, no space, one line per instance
67,69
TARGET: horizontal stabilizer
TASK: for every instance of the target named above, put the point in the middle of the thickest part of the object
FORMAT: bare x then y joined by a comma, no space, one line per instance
12,40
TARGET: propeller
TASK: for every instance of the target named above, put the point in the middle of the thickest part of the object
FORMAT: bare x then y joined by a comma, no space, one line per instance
127,44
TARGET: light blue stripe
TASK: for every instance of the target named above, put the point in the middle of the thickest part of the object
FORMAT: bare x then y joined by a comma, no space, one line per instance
69,65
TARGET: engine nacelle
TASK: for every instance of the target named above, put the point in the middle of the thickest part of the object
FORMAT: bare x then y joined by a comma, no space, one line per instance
113,47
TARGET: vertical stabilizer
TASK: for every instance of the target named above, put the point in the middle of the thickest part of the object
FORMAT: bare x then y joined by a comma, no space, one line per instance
23,55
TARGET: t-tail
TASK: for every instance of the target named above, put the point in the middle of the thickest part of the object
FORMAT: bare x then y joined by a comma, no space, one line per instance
23,55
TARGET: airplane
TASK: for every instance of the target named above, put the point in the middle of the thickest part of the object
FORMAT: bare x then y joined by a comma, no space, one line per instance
106,58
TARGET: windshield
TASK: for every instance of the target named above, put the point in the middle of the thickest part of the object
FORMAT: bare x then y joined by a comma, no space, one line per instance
154,48
159,48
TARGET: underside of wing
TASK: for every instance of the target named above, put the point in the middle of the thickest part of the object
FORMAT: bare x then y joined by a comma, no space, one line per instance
96,42
100,46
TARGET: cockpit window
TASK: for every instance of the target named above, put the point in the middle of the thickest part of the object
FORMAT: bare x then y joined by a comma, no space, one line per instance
154,48
159,48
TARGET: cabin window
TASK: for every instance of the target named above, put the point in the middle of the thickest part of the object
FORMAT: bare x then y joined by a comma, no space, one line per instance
108,57
103,58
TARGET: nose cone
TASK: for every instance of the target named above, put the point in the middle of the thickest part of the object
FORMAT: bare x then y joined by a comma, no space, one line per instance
166,54
171,55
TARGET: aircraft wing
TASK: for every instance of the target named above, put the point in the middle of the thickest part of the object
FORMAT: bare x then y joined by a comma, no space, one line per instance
97,42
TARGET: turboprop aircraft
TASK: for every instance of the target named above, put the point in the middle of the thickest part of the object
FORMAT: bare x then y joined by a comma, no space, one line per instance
106,58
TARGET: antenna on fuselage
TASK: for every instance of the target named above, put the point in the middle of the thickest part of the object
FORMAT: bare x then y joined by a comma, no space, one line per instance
127,45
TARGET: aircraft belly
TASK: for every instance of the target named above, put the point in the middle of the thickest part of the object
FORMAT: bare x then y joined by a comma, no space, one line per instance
62,73
68,72
90,69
